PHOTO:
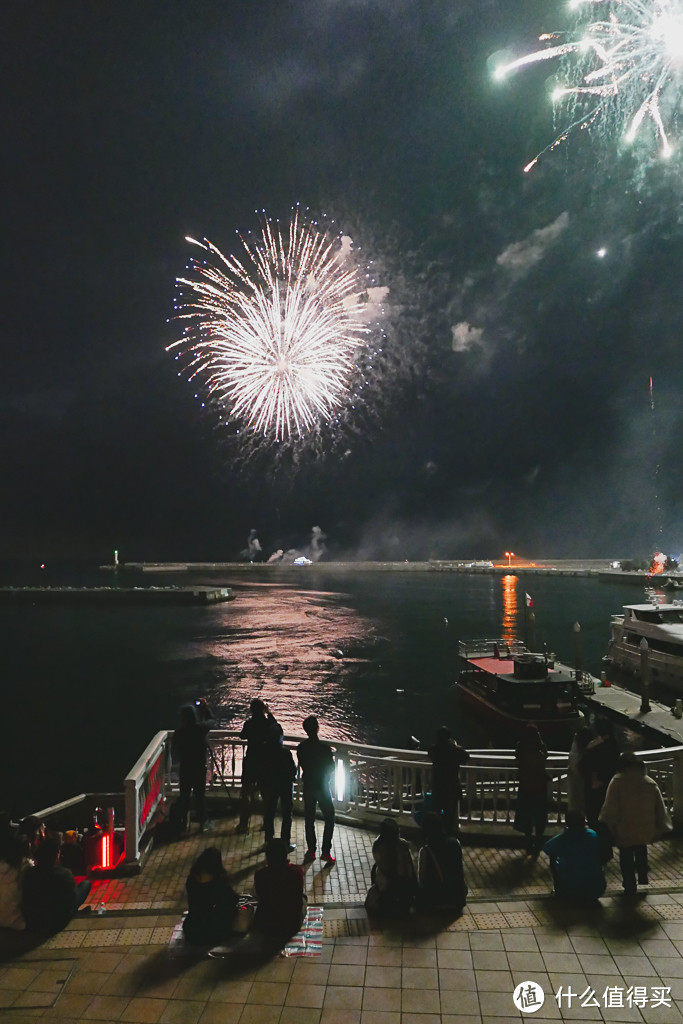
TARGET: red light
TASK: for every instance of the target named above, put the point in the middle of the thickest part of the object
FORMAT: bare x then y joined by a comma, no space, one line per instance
106,851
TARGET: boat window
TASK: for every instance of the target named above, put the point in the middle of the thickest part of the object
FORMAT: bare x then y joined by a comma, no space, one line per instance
672,615
649,615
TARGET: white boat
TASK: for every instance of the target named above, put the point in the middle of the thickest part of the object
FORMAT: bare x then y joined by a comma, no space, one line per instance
661,625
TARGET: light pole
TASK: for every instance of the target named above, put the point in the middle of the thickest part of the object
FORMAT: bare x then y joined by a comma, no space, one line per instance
509,555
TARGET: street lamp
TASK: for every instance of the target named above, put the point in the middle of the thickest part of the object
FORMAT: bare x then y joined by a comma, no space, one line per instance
509,555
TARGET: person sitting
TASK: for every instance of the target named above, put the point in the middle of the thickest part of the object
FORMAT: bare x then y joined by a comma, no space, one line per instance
30,834
279,889
575,861
11,868
211,901
72,854
51,895
440,873
394,883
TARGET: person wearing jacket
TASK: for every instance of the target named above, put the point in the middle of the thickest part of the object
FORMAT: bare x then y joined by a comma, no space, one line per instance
635,814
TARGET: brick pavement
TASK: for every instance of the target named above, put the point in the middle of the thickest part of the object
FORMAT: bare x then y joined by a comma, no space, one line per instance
116,967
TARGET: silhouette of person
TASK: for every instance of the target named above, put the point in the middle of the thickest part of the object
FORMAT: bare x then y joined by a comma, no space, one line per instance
190,747
440,872
51,895
598,764
394,882
211,900
260,729
575,861
531,811
447,757
279,888
316,761
635,814
277,783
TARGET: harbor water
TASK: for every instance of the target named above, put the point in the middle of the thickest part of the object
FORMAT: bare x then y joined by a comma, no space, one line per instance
373,654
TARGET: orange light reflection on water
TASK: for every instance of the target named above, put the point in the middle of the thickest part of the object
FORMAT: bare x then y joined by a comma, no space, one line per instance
509,628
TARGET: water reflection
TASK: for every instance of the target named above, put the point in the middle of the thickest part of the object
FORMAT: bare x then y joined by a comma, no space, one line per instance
298,650
509,627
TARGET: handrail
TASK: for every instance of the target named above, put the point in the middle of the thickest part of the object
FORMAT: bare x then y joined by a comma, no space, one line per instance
373,782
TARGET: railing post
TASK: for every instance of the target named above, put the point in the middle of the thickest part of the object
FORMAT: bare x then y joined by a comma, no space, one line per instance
132,816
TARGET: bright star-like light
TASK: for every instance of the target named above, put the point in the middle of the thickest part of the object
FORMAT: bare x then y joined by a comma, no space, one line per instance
621,63
275,332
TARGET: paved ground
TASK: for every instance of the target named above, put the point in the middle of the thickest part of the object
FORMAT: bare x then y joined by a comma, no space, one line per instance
615,962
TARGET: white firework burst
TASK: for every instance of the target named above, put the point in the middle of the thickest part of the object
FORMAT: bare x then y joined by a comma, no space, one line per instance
622,61
275,333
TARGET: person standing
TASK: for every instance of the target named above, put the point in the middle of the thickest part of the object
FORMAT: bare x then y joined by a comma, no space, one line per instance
635,814
259,730
531,811
598,765
316,761
447,757
190,746
277,783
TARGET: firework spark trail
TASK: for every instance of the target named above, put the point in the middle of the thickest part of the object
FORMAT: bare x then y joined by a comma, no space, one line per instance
276,332
630,61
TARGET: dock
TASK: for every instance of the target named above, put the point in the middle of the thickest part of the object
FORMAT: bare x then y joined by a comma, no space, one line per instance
115,595
625,707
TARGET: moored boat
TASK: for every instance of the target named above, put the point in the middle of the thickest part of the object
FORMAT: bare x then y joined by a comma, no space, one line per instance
515,686
661,625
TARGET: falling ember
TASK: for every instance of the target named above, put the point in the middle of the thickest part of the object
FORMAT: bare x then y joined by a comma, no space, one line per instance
624,68
274,333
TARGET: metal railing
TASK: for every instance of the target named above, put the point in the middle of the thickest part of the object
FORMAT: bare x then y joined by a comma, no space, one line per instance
371,783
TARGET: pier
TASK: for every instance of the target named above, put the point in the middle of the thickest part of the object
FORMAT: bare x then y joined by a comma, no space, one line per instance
542,567
122,965
115,595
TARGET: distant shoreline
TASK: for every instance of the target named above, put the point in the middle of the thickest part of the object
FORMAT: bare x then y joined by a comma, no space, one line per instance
595,567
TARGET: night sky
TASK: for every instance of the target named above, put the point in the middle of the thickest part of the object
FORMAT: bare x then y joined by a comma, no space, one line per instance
516,414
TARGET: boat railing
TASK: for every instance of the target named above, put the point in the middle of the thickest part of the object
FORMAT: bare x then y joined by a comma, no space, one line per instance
371,783
490,648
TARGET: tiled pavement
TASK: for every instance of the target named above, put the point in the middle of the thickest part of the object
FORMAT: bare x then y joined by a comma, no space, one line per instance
614,962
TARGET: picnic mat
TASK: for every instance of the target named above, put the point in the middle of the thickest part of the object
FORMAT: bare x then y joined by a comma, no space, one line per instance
306,942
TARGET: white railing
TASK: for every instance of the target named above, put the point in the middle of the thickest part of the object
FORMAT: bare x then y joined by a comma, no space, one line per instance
145,788
372,783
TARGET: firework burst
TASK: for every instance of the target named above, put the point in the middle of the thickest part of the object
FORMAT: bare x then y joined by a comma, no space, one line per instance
277,334
621,62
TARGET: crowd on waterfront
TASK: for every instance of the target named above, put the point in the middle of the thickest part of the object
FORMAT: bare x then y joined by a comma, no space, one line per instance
611,802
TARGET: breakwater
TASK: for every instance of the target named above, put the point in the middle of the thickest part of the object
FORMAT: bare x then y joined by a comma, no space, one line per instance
115,595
